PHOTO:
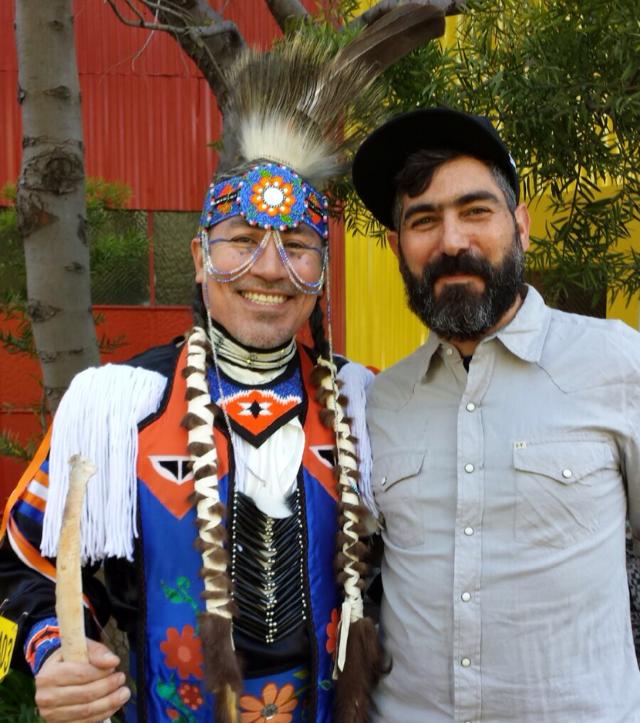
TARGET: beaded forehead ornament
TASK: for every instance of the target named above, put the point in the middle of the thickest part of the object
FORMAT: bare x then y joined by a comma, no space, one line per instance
269,195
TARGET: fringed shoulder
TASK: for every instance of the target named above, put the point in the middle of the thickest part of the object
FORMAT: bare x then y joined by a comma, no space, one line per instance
98,418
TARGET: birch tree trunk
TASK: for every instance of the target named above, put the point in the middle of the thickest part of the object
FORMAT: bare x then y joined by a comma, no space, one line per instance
50,200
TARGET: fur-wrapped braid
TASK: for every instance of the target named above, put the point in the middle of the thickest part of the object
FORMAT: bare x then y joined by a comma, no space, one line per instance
320,344
222,671
359,657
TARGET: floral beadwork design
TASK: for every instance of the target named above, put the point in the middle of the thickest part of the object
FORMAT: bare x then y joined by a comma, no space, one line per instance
183,652
269,195
182,698
273,195
190,695
275,706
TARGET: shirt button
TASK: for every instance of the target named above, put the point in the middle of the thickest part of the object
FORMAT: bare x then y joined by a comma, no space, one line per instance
567,473
468,531
471,407
466,596
469,468
465,662
383,481
448,352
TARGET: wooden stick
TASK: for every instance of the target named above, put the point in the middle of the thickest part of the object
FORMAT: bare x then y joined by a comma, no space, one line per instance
69,608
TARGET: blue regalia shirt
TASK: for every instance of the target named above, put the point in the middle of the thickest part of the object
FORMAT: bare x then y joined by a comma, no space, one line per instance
504,492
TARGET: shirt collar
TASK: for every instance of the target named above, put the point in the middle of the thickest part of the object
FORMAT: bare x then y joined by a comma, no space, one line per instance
523,336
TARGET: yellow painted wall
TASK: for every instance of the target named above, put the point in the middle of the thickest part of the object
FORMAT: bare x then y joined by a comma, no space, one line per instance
380,330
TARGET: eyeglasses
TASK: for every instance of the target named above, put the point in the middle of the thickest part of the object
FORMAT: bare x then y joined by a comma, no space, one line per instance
227,259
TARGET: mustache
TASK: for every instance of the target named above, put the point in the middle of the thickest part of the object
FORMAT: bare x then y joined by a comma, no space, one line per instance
463,263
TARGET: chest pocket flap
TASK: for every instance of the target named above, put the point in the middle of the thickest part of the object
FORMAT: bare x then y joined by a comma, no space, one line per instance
396,467
395,485
565,461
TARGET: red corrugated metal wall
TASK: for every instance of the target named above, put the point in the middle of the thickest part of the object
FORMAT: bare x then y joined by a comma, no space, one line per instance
148,116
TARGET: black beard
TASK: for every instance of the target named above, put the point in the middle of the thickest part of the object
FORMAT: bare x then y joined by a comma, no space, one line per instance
460,312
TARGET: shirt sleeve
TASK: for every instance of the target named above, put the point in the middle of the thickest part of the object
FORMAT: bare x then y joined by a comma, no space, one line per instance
27,579
631,459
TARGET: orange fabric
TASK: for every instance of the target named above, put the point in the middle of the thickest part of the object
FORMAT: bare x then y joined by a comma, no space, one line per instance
272,407
316,434
35,560
32,556
34,501
32,470
165,436
42,478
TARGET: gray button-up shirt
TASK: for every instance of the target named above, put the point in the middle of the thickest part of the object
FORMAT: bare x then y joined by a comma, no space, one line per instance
504,492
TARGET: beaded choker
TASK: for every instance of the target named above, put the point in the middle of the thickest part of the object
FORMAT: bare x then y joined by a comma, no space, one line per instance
230,351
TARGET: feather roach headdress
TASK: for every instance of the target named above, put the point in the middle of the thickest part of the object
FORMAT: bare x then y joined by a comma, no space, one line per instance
297,105
295,113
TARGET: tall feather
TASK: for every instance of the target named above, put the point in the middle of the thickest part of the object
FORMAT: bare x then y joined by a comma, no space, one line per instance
298,105
398,32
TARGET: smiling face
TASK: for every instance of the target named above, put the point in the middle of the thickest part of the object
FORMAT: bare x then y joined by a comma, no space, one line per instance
262,308
461,250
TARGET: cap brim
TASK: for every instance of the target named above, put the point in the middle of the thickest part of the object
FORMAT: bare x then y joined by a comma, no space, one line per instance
382,155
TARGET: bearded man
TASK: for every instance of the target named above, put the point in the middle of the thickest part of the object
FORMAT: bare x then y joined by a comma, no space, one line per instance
234,438
506,454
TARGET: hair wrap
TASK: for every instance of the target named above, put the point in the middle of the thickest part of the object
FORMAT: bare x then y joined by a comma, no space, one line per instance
222,671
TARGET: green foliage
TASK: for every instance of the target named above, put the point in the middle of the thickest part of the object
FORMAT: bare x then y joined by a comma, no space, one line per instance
8,193
16,699
102,194
118,243
17,693
11,446
561,80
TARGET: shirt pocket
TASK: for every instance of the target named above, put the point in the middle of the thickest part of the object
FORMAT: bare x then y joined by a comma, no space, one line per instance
555,503
395,487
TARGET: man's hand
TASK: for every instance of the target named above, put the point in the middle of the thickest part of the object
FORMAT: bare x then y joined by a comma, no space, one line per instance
81,692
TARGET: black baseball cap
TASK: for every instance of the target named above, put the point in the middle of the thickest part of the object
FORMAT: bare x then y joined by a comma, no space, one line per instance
382,155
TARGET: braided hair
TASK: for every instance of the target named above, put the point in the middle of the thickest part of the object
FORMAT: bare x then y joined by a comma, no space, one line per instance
222,670
359,657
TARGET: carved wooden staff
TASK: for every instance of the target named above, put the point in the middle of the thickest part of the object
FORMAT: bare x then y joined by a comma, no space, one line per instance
69,608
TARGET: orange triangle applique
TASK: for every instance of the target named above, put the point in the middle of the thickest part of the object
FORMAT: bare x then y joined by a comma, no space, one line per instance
257,409
163,456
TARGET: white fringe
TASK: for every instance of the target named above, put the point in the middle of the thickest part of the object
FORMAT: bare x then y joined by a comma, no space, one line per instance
277,138
356,379
98,418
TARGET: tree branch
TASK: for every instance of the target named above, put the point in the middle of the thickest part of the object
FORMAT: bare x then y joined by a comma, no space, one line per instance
140,22
210,41
380,9
283,10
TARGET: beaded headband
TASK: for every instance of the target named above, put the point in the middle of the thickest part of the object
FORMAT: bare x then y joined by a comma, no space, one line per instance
268,195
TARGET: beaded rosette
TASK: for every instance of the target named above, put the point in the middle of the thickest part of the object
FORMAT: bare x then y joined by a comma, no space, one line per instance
269,195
